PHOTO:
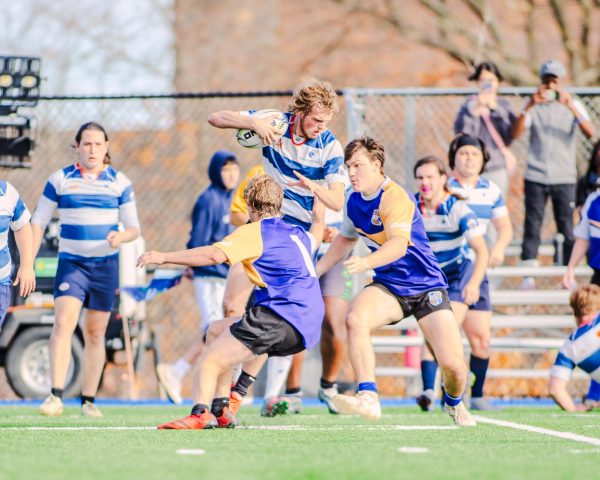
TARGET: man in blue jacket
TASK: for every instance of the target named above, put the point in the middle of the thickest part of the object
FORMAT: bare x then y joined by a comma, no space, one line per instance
210,224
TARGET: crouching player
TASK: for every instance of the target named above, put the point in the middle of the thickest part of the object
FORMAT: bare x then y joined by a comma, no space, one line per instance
407,281
581,349
288,310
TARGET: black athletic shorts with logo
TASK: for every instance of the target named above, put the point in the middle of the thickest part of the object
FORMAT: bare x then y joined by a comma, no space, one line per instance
263,331
419,305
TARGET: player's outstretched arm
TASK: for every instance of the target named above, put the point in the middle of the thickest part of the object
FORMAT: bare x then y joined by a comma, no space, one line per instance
194,257
558,392
340,247
263,127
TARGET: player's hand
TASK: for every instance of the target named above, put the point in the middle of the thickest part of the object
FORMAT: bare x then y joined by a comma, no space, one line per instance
329,233
566,99
304,182
318,211
356,264
470,294
26,280
114,239
265,129
496,257
151,258
568,280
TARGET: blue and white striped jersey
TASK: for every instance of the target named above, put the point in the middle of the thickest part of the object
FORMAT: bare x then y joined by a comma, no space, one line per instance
89,208
321,159
588,227
581,349
13,214
485,199
449,230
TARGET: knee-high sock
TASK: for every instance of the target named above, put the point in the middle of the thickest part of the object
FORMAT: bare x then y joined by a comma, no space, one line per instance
277,372
428,373
478,368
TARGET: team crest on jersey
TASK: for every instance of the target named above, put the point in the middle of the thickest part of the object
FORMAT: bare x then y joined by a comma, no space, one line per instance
375,218
435,298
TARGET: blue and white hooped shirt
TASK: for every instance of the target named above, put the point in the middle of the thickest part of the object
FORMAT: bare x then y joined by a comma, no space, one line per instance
320,159
89,208
13,214
449,230
485,199
581,349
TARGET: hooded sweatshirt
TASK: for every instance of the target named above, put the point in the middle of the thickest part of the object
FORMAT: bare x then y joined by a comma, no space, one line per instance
210,216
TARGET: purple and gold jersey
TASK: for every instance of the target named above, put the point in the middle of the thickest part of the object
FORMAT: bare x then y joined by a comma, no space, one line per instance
277,257
391,211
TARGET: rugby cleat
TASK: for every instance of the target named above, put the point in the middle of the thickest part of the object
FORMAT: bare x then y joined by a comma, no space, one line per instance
365,403
205,420
52,407
425,400
325,395
461,415
294,402
227,419
88,409
235,402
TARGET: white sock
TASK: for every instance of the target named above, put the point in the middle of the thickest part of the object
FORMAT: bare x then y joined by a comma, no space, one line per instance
181,367
235,373
277,372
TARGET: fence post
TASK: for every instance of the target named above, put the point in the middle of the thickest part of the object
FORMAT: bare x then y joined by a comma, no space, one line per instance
410,136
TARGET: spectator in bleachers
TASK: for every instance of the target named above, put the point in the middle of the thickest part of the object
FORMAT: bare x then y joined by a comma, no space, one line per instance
581,349
589,182
553,116
491,119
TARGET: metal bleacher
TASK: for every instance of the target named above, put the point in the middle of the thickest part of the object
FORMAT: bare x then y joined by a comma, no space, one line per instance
530,329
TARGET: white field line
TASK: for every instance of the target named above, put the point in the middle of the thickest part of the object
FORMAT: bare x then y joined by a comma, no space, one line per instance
544,431
295,428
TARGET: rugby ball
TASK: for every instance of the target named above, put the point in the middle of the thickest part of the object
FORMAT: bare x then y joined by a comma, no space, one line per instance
249,139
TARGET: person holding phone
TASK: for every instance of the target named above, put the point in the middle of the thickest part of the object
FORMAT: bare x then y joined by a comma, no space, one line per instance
553,116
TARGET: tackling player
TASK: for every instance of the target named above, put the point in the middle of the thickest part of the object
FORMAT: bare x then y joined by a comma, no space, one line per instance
288,310
407,281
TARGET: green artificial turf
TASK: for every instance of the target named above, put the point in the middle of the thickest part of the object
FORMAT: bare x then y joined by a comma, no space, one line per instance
311,445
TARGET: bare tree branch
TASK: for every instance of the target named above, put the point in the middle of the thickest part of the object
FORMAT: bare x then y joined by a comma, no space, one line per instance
586,18
530,33
558,9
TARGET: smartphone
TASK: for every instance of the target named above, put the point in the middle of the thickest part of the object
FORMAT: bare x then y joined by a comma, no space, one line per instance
550,95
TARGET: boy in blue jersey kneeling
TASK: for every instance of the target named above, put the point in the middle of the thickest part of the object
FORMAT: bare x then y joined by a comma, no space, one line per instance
288,310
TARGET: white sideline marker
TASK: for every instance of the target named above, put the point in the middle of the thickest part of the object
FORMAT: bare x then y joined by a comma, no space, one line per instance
544,431
413,450
190,451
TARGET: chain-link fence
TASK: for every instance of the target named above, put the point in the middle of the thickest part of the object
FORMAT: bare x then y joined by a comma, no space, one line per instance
163,145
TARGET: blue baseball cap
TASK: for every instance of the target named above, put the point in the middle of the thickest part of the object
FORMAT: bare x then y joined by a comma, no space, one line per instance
554,68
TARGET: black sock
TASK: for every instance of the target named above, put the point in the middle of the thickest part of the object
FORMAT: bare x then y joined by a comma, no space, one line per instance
292,391
326,383
87,399
243,384
199,408
57,392
218,404
479,368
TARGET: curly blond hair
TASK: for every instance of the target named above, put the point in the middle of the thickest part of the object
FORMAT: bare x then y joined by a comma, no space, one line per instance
585,300
264,195
314,93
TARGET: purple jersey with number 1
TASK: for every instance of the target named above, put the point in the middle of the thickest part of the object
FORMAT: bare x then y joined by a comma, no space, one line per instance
277,257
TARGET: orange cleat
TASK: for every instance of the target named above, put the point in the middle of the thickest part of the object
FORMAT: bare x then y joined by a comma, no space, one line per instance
235,402
227,419
202,421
